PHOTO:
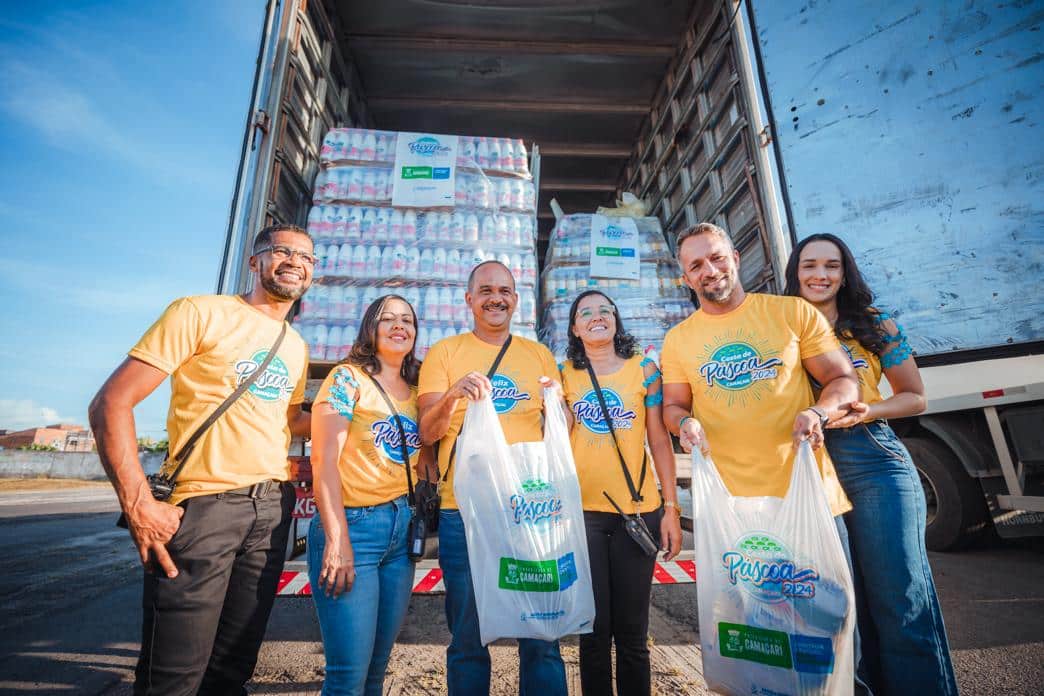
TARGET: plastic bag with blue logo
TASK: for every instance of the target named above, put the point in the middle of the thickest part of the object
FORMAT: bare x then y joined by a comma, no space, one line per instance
775,596
524,524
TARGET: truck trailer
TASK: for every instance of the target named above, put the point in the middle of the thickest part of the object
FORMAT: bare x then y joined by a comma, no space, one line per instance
907,129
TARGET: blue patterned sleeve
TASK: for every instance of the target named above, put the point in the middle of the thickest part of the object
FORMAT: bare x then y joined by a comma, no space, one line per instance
652,398
342,393
897,347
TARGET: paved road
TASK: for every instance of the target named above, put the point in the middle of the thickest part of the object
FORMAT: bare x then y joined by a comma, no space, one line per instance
70,613
69,592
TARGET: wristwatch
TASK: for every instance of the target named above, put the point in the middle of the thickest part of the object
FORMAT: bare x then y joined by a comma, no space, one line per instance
823,417
672,504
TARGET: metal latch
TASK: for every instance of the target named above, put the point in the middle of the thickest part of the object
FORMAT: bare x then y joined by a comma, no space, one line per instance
261,120
765,136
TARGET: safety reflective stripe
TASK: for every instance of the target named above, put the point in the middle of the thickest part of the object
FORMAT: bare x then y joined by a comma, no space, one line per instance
427,577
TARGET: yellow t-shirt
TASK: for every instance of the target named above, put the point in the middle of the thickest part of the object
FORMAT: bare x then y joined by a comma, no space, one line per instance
869,366
370,464
517,394
209,344
748,384
597,462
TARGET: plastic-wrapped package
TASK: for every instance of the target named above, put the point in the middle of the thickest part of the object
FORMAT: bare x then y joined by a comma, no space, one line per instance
649,306
370,248
524,522
493,155
776,602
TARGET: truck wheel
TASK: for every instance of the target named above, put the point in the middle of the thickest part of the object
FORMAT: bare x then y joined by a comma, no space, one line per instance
956,505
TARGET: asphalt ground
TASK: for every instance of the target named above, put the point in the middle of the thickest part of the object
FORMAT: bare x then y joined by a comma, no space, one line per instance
70,611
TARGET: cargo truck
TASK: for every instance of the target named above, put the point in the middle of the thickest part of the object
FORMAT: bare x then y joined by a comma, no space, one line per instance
908,129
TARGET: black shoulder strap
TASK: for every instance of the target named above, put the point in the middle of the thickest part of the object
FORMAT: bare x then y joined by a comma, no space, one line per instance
402,438
181,457
635,492
489,375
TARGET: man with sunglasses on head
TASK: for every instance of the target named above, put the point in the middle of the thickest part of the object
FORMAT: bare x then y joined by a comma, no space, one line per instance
214,551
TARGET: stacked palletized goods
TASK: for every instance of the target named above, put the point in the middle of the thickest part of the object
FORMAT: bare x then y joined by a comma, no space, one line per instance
370,247
649,305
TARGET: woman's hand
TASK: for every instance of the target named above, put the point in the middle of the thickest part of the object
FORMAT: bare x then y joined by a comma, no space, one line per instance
338,571
853,413
670,533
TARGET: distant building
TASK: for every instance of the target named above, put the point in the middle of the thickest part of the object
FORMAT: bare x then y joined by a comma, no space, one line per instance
65,437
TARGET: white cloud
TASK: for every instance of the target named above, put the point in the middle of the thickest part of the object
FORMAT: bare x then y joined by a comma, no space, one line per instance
20,414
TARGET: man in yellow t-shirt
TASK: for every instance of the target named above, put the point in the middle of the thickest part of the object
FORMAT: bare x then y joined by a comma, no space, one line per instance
736,374
453,372
214,552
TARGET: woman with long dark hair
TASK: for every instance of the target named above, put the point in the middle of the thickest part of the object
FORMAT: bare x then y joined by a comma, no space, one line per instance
360,572
903,640
620,569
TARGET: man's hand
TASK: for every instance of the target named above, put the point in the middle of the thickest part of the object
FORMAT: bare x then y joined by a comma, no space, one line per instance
852,413
691,434
670,533
152,524
807,427
473,386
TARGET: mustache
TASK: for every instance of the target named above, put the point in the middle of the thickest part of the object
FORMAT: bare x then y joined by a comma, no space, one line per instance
495,305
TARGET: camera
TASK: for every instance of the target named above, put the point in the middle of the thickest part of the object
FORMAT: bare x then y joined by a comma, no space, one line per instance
638,531
417,536
162,487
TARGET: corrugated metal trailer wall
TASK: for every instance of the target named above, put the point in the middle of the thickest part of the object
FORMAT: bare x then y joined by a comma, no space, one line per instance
912,130
694,160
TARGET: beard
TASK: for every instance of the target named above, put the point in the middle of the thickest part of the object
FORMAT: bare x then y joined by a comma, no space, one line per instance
722,295
282,292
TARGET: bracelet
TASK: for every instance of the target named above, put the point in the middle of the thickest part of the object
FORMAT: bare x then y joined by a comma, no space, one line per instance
682,422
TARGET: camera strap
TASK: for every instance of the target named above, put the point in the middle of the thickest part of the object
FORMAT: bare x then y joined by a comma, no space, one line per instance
636,496
410,498
453,452
182,456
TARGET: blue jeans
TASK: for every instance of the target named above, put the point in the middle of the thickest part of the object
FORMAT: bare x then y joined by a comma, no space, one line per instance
903,639
540,669
359,627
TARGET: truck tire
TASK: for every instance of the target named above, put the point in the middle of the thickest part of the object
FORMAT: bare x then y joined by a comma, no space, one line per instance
956,505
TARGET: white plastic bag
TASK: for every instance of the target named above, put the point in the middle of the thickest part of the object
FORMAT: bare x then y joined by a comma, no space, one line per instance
524,523
775,594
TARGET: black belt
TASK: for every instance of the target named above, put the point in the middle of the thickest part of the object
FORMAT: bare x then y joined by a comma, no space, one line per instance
259,490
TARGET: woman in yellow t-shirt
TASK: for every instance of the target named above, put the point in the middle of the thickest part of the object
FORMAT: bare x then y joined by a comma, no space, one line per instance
903,640
360,572
621,571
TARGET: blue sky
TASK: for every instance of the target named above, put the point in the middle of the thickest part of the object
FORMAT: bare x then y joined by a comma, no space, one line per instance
121,131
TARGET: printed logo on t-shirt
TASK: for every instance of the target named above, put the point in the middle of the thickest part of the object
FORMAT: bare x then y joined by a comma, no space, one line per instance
273,385
386,437
588,412
736,366
857,363
506,394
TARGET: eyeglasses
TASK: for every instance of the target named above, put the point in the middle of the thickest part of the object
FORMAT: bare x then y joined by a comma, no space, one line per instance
284,253
603,311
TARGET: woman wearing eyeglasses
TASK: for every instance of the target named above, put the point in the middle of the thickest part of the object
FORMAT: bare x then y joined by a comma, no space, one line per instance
360,572
601,351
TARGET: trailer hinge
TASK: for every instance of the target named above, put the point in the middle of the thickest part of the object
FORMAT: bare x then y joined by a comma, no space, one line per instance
261,120
765,136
